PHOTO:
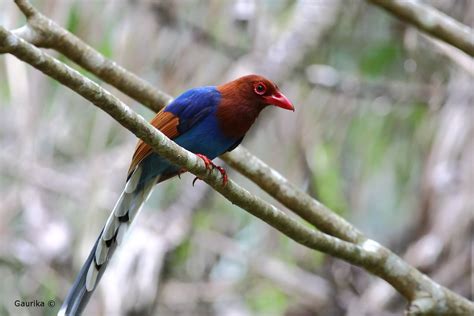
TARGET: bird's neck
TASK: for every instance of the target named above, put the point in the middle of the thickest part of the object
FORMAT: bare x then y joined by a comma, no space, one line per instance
236,113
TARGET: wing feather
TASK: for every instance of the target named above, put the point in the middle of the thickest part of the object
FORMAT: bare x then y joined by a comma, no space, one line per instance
167,123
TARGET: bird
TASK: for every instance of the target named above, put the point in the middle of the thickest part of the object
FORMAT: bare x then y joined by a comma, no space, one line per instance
207,121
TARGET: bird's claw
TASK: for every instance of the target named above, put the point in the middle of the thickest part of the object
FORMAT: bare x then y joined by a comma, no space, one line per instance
181,171
223,174
195,179
210,165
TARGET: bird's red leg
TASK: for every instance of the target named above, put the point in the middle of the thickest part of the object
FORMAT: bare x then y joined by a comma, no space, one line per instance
210,165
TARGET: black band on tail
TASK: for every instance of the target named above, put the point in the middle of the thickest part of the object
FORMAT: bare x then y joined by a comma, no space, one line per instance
78,296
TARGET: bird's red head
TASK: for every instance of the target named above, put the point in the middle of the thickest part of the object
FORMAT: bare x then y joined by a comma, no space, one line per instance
257,91
243,99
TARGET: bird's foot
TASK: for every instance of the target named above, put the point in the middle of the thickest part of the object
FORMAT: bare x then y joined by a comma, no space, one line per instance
210,165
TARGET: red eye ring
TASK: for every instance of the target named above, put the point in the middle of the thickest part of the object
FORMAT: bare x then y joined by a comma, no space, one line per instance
260,88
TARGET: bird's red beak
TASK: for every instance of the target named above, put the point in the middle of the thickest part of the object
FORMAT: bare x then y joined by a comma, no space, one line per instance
279,99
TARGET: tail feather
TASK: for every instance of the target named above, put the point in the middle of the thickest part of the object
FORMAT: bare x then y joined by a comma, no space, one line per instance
125,210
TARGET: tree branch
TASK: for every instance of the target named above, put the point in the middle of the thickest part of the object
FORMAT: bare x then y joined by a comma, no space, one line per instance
289,195
44,32
425,295
431,21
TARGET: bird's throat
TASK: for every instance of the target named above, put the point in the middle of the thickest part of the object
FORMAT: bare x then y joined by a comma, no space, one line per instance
235,120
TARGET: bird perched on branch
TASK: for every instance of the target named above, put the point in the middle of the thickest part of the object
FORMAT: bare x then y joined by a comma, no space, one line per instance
207,121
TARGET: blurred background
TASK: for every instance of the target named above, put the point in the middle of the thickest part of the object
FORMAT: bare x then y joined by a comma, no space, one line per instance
383,134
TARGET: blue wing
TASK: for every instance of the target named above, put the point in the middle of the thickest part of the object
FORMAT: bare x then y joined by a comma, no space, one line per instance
198,126
193,106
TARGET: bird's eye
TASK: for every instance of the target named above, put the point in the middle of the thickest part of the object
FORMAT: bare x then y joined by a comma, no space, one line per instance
260,88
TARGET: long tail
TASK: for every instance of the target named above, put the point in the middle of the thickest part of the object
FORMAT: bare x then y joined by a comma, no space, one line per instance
130,202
